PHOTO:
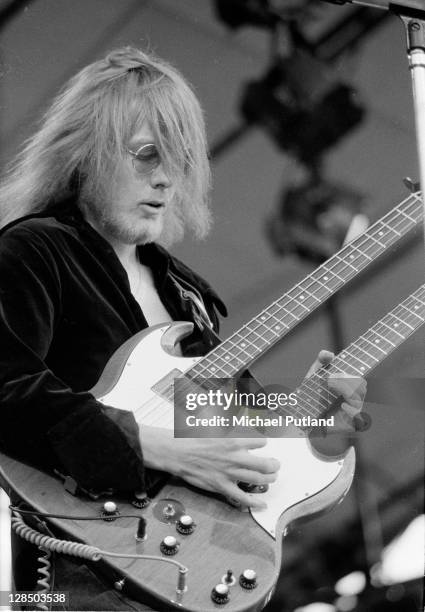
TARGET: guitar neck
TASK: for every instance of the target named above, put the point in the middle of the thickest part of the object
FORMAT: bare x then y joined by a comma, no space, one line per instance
363,355
264,330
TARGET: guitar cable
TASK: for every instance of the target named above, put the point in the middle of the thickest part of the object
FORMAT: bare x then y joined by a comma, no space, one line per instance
48,544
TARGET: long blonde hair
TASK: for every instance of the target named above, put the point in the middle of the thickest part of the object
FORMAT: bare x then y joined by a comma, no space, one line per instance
87,127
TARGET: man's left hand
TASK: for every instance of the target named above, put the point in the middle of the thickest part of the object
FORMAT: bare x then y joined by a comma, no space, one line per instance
352,390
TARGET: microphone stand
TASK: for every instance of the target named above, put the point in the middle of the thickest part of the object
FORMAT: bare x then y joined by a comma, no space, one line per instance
415,31
412,13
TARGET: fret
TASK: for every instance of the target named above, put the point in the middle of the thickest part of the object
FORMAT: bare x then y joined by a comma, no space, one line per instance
418,197
229,357
314,385
375,345
392,329
381,244
347,263
260,337
305,300
310,295
275,307
383,338
279,323
403,212
309,386
201,372
223,365
297,307
401,321
277,316
367,352
279,326
353,246
280,317
322,285
349,355
338,277
242,346
327,280
268,330
335,368
299,303
320,387
311,406
410,312
356,350
287,312
214,370
342,269
221,351
252,335
391,229
381,235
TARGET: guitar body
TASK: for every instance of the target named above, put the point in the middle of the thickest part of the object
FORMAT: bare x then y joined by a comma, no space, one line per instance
224,538
139,378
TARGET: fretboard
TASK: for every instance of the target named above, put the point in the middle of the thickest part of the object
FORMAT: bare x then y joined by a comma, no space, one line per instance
247,344
361,356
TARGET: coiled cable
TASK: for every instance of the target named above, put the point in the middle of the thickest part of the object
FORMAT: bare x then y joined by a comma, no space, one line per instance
43,583
53,544
50,544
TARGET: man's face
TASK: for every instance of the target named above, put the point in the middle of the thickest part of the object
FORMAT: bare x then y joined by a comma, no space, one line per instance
132,211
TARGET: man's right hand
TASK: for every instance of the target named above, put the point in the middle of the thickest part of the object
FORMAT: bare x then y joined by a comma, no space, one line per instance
212,464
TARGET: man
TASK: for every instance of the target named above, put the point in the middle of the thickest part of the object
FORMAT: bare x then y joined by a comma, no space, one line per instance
118,166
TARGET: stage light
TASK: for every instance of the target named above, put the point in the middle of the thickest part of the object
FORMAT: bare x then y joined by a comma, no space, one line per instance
302,105
236,13
403,559
346,603
315,218
317,607
352,584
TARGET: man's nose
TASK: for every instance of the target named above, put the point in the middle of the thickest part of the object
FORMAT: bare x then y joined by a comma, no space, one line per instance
159,178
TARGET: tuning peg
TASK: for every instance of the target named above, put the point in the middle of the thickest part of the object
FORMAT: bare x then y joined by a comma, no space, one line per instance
411,185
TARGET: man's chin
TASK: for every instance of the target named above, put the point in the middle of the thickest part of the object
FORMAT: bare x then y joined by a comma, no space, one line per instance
148,234
138,235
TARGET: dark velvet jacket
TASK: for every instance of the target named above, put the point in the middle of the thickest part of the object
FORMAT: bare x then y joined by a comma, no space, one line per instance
65,307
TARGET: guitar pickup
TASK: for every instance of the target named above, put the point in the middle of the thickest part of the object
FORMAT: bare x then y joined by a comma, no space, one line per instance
164,388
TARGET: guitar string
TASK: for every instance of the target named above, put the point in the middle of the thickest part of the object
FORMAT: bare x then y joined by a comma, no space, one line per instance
342,361
316,280
257,334
400,218
261,336
356,368
416,318
319,383
344,356
197,367
322,374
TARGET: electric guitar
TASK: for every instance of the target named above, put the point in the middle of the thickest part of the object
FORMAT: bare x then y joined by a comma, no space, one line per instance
248,543
224,537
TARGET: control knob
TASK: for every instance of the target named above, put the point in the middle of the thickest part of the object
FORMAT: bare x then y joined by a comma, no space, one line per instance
220,594
248,579
169,545
185,525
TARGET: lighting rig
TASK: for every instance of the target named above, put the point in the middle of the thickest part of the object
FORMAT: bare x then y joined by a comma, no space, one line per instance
306,109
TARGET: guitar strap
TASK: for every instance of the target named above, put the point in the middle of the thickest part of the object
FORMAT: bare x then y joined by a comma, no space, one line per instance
191,295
